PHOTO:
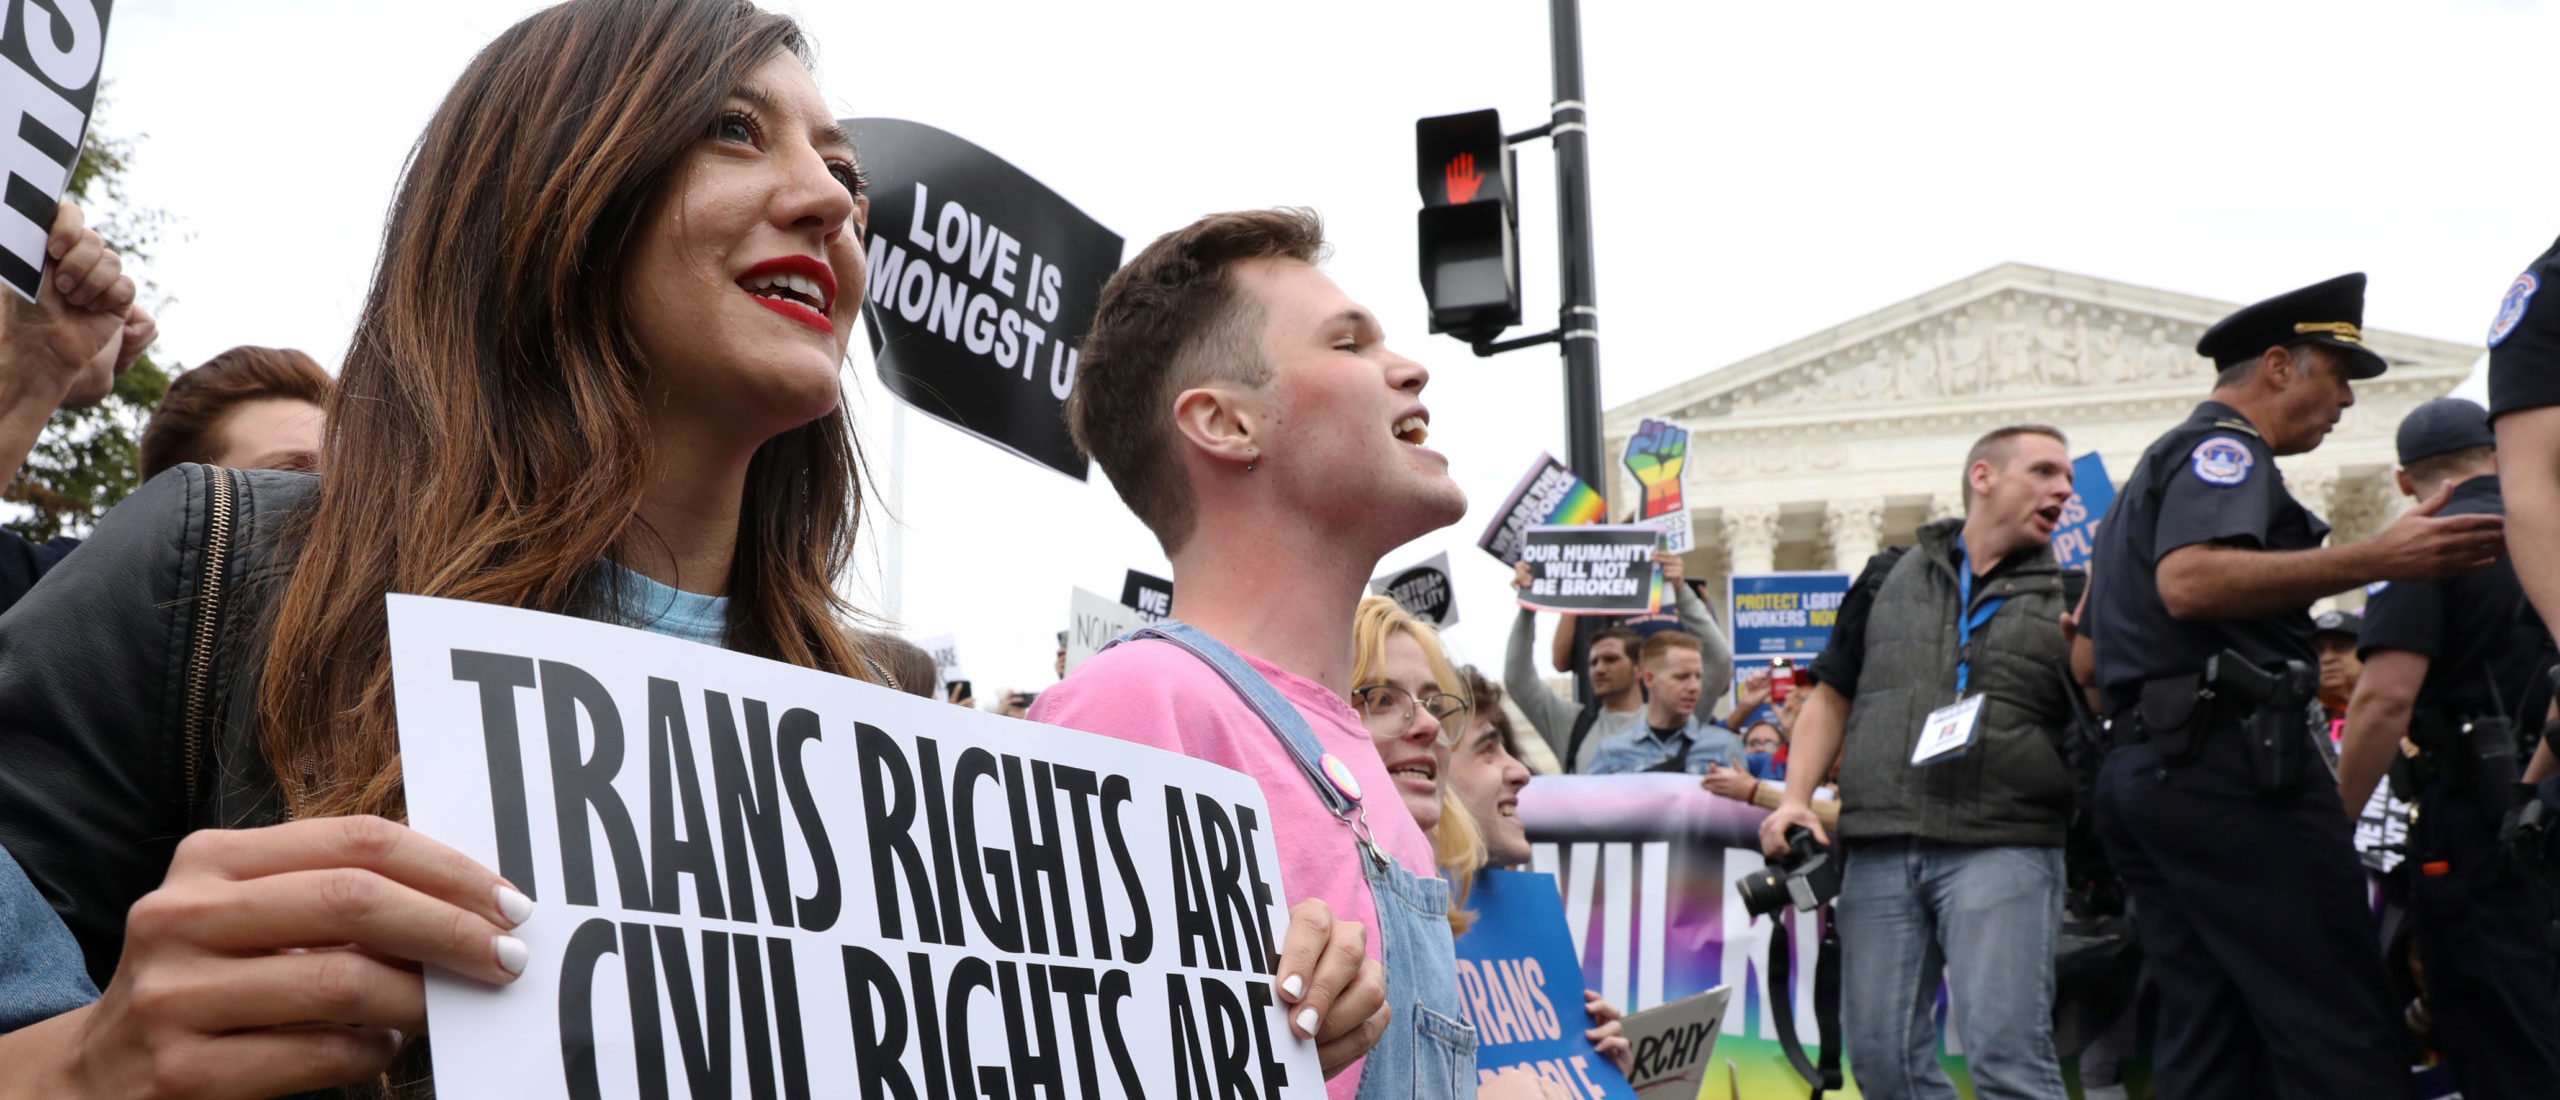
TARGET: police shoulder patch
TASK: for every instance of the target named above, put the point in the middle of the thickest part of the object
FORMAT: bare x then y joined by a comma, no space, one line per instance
2222,460
2511,308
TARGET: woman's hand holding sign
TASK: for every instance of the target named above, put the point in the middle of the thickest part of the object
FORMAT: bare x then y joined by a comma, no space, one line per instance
277,960
1337,993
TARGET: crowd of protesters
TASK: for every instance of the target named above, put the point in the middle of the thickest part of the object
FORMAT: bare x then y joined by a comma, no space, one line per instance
654,436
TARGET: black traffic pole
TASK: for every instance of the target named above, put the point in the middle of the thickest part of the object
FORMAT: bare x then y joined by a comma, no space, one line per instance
1578,317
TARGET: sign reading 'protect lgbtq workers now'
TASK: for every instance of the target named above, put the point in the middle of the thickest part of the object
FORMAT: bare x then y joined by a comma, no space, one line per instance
756,880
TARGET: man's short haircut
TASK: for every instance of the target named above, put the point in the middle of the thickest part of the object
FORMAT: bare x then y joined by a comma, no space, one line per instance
1996,447
1173,319
2435,468
1627,640
1662,643
187,425
2238,374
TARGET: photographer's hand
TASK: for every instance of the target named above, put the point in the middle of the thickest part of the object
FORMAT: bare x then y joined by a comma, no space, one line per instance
1792,812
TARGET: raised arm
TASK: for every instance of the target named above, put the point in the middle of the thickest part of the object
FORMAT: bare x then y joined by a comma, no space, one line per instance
1552,716
2210,582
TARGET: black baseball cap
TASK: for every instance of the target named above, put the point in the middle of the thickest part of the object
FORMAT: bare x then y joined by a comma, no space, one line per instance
2443,426
2330,312
2340,621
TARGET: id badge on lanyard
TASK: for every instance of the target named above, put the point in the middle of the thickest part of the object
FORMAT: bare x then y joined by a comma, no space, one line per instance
1951,729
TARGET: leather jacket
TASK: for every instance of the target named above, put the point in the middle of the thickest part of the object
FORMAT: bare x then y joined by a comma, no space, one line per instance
104,765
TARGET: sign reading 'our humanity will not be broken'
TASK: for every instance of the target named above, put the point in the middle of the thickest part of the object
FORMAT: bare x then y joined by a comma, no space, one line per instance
756,880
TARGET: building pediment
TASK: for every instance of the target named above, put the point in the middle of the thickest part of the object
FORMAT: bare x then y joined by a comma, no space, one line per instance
2015,334
1811,454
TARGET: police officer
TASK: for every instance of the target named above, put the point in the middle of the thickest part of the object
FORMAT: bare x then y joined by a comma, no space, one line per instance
2524,406
2455,666
2212,805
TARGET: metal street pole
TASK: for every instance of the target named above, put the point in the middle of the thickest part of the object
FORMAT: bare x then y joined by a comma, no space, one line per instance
1578,318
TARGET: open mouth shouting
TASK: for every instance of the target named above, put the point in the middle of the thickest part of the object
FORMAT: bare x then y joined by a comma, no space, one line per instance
801,288
2048,518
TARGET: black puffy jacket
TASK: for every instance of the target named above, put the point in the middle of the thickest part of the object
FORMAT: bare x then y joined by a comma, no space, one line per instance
105,758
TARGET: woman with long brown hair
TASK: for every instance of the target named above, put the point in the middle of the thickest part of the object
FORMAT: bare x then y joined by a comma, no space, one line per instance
597,373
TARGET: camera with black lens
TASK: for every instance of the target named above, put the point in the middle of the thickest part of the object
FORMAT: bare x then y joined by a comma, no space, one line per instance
1806,877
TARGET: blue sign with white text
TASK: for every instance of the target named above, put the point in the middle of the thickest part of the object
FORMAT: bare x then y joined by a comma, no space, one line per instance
1520,983
1784,614
2076,537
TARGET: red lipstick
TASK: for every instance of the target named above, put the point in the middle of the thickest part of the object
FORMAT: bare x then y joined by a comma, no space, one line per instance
805,267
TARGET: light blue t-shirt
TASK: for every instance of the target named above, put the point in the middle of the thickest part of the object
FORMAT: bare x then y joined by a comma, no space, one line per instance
648,605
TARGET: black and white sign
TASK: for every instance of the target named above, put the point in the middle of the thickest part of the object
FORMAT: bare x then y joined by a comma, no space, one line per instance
1592,567
47,89
945,651
1423,590
1149,595
1093,620
983,282
756,880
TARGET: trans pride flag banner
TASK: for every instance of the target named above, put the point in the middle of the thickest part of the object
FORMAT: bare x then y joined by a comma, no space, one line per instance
1647,866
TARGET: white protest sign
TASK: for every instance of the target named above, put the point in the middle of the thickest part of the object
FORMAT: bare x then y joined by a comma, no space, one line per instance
1092,621
945,651
752,877
1672,1044
48,85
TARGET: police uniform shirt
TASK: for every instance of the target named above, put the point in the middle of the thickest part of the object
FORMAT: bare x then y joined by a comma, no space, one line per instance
2484,646
2524,340
2212,479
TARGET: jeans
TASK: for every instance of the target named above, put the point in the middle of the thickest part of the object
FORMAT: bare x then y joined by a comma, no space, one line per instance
1988,919
42,974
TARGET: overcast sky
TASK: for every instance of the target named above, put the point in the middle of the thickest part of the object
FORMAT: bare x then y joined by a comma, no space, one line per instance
1762,171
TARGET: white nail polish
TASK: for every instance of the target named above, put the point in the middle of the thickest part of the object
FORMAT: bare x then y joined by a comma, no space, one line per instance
512,954
1307,1022
1295,987
517,907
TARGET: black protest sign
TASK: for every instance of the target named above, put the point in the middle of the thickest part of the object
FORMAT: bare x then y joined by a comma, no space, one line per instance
1423,590
1592,568
983,282
1149,595
47,89
753,878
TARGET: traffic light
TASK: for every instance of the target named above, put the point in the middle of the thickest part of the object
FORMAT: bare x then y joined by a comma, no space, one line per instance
1468,226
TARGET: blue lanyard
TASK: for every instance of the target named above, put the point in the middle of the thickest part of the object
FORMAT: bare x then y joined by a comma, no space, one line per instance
1968,620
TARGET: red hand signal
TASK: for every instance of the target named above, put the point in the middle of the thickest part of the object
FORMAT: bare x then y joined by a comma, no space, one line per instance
1463,179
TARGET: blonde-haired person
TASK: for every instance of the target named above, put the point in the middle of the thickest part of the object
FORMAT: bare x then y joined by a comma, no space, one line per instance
1408,694
1410,698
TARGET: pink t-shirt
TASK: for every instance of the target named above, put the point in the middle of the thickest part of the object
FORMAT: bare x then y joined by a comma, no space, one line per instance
1156,693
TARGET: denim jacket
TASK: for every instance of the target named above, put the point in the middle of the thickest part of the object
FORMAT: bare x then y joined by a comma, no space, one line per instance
41,972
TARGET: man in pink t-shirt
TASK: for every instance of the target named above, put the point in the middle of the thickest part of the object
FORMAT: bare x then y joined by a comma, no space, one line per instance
1251,415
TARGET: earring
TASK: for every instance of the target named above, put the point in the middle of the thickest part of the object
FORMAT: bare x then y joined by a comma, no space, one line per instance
1251,457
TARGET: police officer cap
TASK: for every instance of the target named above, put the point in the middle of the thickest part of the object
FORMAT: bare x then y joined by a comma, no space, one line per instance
2443,426
2337,622
2329,313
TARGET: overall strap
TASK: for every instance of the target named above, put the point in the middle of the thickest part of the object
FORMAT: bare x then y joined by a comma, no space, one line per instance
1323,771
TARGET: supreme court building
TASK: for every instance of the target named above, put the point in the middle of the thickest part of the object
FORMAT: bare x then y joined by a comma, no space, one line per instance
1817,454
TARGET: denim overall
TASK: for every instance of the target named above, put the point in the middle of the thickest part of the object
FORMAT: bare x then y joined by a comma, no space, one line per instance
1426,1054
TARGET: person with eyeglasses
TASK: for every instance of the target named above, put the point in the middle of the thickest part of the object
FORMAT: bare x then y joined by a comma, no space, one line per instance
1402,688
1400,681
1670,738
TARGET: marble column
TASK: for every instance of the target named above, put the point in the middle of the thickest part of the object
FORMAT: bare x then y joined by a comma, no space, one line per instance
1853,528
1751,538
1946,504
2317,488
